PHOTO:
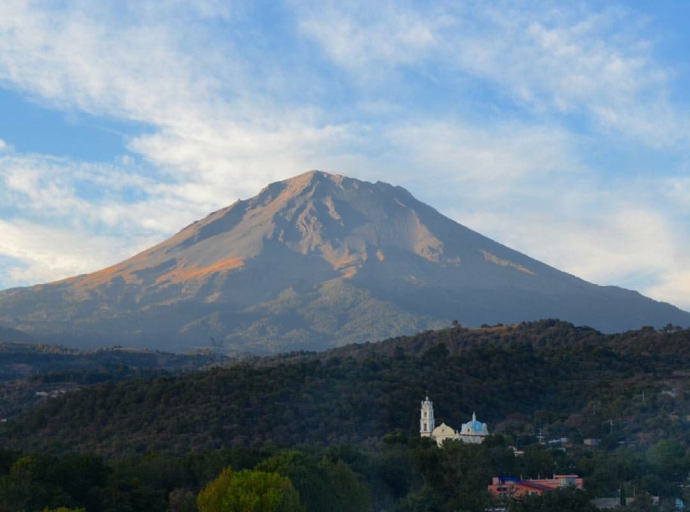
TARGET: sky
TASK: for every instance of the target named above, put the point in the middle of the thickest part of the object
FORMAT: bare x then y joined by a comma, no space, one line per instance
560,129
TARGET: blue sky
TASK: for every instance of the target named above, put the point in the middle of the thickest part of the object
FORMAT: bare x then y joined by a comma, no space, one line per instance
559,129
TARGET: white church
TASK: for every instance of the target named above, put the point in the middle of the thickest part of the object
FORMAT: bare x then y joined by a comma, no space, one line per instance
471,432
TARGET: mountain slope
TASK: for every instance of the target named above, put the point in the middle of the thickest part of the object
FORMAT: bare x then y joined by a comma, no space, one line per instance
8,335
312,262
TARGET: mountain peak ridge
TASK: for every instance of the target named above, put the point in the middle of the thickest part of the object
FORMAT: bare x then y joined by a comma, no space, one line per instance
336,260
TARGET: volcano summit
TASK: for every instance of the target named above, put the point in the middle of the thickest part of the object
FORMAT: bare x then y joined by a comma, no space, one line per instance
312,262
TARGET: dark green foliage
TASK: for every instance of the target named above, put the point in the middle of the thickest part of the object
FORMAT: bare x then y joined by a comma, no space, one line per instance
65,509
49,371
158,484
51,364
567,500
168,436
323,485
546,371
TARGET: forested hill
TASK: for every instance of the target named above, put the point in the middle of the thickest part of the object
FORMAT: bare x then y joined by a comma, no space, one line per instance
549,374
19,360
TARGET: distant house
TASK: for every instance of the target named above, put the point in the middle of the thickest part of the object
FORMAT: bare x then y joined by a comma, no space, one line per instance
502,487
470,432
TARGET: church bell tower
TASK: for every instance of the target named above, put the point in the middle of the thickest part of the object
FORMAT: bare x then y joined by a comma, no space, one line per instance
426,420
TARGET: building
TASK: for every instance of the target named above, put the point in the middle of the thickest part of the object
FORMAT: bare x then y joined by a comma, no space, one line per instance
502,487
427,423
470,432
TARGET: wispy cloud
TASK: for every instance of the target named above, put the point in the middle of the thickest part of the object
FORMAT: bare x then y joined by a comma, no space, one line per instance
212,132
374,39
491,158
550,57
677,189
65,217
35,252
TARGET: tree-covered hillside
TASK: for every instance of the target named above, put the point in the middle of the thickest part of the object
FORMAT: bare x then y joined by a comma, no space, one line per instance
31,373
550,375
338,430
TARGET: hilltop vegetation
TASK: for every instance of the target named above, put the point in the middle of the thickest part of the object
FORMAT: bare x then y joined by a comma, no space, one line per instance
33,373
518,378
20,360
354,412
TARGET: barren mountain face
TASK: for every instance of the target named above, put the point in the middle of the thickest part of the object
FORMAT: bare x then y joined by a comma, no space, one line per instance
312,262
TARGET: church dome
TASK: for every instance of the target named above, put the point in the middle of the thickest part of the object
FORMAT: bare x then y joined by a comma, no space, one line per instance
475,427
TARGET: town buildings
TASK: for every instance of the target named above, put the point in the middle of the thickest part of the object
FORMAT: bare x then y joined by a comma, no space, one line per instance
471,432
502,487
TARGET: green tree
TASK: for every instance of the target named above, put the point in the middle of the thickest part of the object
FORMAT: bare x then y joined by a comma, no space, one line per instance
667,457
22,489
351,494
326,485
258,491
312,484
211,496
249,491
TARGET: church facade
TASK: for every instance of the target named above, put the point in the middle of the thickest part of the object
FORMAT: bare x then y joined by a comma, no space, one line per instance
470,432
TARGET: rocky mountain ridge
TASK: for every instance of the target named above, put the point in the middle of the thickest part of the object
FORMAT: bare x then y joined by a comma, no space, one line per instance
316,261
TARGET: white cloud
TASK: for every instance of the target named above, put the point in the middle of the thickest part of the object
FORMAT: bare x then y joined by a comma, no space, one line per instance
372,38
545,55
678,190
4,146
227,158
673,288
485,158
41,186
46,253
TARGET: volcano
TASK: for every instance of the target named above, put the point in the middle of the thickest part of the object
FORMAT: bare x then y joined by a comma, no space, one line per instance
313,262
